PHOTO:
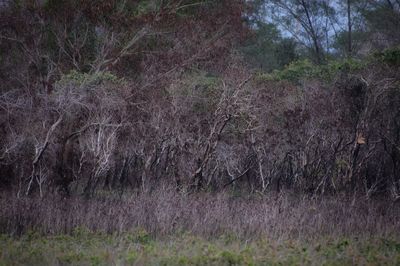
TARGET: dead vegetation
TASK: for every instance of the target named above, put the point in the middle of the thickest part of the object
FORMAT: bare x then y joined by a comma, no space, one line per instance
165,212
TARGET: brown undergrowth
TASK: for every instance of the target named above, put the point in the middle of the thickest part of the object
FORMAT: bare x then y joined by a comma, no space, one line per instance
166,212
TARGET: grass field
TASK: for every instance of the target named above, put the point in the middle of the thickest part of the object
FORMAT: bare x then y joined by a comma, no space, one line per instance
166,228
85,248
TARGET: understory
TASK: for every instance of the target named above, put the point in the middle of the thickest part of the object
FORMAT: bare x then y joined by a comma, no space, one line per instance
165,212
170,228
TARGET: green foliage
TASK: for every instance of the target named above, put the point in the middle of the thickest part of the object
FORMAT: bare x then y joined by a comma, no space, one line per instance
140,236
79,79
383,19
390,56
294,72
268,50
81,232
231,258
302,70
340,42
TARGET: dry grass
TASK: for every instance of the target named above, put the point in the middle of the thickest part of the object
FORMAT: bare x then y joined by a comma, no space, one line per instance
166,212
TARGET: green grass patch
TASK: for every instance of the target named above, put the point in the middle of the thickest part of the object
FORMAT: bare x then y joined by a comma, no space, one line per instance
85,248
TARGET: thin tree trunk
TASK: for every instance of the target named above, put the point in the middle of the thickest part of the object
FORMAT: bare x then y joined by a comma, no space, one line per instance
313,33
349,34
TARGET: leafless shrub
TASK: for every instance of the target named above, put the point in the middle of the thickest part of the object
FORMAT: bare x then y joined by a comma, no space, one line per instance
166,212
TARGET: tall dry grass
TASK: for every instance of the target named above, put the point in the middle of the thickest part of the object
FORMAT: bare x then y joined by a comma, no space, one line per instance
166,212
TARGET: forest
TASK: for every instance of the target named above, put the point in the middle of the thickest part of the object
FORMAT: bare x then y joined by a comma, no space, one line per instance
197,132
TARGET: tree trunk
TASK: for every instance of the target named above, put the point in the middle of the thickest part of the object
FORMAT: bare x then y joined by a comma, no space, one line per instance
349,33
313,34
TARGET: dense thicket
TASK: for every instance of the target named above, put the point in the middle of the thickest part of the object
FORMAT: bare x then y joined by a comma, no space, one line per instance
134,95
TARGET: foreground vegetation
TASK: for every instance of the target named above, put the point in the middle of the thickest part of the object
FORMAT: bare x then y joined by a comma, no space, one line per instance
85,248
166,227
